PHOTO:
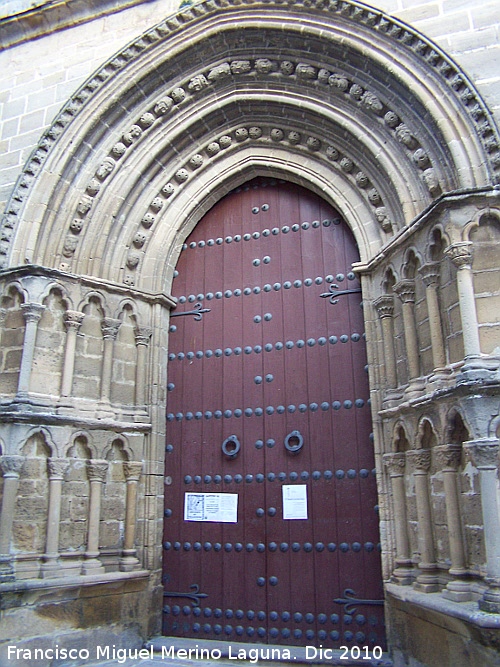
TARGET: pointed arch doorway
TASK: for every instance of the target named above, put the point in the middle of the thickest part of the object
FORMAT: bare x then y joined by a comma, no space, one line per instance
271,519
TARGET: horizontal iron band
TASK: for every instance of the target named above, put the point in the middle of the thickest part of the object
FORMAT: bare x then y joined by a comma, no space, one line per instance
217,353
267,411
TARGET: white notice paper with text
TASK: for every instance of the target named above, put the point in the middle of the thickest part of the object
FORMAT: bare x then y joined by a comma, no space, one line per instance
294,501
220,507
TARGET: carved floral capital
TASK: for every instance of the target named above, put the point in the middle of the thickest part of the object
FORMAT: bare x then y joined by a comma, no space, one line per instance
430,274
110,328
384,305
395,463
448,457
96,470
419,459
73,319
405,289
460,254
143,335
132,470
11,465
32,311
484,454
57,467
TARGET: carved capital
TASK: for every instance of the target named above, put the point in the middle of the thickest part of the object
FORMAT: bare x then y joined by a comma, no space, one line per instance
384,305
32,311
73,319
430,274
110,328
395,463
132,470
460,254
405,289
448,457
11,466
57,467
96,470
419,459
484,454
142,335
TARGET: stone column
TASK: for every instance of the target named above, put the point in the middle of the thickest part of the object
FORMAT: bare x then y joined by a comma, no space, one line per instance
461,256
405,289
403,573
448,458
427,580
142,336
385,309
109,328
32,313
430,276
96,471
129,560
11,469
484,454
51,566
72,321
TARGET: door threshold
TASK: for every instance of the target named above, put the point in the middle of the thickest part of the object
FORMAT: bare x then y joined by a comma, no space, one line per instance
204,650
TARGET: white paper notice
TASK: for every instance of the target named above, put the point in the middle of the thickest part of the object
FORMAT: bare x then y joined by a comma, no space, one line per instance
294,501
222,507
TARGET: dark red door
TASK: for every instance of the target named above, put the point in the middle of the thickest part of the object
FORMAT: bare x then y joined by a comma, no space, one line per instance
268,400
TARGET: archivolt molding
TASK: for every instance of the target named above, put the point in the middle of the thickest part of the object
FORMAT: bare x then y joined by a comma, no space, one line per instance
314,72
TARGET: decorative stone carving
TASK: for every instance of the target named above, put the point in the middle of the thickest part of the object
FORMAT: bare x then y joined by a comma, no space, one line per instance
255,132
56,468
132,135
323,75
198,83
96,470
118,149
277,134
240,66
372,103
11,465
147,119
84,205
196,161
431,181
178,95
313,144
362,180
460,254
109,328
448,457
157,204
346,164
374,197
225,141
265,66
181,176
294,137
148,220
241,134
391,119
213,148
419,459
220,72
142,335
405,137
332,153
384,305
304,71
421,158
139,239
69,246
405,289
395,463
76,225
105,168
133,259
73,319
484,454
356,91
93,187
168,190
339,81
132,470
163,106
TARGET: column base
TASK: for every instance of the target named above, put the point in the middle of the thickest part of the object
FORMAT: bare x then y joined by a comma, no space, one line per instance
92,566
416,388
479,369
129,563
427,581
6,569
490,601
457,590
403,576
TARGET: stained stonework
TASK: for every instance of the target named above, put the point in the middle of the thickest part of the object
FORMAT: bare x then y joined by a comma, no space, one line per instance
364,110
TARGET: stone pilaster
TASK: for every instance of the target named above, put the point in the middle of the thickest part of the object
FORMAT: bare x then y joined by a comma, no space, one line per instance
427,579
109,329
96,472
72,321
11,469
405,289
384,306
142,338
484,454
430,275
403,573
32,314
129,560
51,566
448,458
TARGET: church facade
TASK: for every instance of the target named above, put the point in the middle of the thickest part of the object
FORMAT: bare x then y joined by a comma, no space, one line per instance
124,133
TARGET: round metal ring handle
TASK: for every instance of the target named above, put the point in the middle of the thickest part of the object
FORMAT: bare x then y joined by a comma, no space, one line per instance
231,446
294,442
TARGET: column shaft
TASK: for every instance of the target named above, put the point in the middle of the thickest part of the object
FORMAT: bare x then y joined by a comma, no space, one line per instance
96,471
32,313
403,571
11,468
129,560
73,320
51,566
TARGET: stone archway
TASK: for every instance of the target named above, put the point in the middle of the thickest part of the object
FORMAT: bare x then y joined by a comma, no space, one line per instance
338,97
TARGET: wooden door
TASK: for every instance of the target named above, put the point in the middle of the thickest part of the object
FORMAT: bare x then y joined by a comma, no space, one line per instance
268,400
